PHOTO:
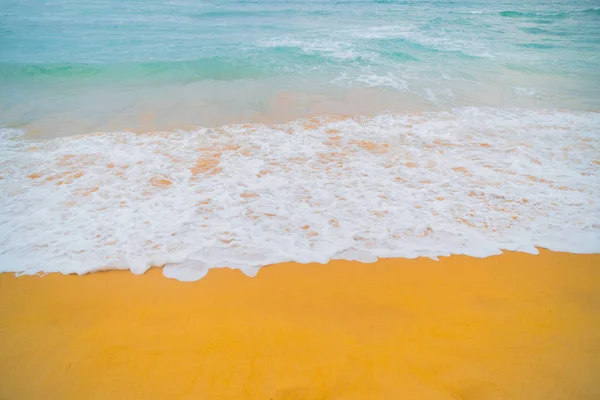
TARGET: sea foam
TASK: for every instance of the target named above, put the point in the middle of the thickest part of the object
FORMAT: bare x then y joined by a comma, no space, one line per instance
471,181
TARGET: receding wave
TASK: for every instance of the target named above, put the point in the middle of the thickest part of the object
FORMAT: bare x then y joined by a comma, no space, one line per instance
472,181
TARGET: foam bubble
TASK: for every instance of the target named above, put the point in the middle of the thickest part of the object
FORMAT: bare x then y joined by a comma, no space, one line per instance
335,49
373,80
526,92
438,39
469,181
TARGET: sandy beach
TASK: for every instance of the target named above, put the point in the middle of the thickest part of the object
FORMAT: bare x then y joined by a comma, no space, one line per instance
245,200
514,326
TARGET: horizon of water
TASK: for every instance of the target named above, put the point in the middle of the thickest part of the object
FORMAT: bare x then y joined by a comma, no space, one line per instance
243,133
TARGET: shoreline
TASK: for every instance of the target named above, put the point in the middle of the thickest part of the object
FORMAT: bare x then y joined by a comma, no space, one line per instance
390,185
516,326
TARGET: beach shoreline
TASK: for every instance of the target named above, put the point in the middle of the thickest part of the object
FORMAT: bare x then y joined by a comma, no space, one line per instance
283,200
516,326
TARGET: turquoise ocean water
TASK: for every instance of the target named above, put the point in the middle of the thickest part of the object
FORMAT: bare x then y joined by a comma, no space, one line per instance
163,64
200,134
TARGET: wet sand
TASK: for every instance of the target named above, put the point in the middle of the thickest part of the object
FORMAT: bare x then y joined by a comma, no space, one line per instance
515,326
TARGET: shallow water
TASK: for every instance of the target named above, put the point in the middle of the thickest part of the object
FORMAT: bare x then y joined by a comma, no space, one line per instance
270,131
143,65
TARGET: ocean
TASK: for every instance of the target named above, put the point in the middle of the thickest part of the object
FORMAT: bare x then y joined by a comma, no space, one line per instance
202,134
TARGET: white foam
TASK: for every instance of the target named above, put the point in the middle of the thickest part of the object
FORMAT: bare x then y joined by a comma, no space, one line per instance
526,92
475,12
472,181
438,39
369,78
335,49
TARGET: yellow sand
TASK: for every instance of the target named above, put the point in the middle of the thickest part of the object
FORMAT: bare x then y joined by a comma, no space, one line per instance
515,326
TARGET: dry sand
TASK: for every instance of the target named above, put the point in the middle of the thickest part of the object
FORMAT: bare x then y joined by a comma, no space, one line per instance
515,326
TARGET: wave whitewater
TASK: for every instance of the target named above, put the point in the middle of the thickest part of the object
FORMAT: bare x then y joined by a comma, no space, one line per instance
470,181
